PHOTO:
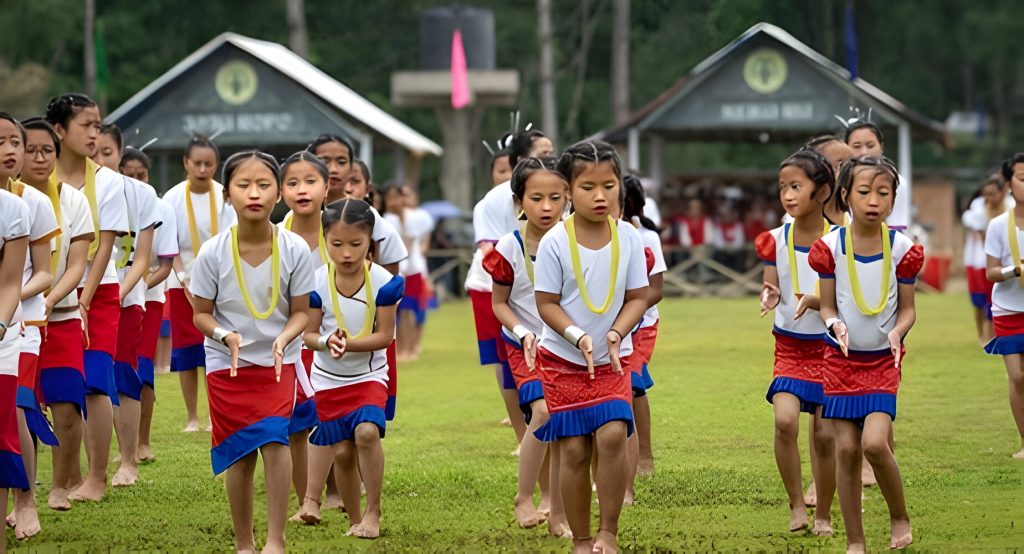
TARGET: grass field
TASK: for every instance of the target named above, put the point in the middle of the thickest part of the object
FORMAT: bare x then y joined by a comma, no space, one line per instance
450,480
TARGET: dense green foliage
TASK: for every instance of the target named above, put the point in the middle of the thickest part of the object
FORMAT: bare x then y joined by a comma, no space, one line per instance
450,480
936,56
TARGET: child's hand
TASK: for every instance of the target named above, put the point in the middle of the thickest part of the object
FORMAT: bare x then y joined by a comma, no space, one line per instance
530,350
806,302
614,342
586,346
770,297
83,312
337,343
896,345
233,341
842,337
278,348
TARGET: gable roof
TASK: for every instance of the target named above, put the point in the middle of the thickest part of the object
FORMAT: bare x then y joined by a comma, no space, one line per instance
859,90
303,74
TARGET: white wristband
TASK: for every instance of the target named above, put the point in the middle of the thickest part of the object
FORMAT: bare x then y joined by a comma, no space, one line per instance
321,343
1009,271
573,334
520,331
220,333
830,322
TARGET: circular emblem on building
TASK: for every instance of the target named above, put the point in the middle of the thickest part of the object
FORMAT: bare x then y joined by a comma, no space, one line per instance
236,82
765,70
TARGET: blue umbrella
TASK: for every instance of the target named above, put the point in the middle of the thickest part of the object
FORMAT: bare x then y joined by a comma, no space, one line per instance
440,209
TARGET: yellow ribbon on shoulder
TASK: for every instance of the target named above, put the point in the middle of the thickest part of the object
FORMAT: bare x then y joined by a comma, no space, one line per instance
1011,237
275,272
193,230
371,303
851,267
574,256
794,275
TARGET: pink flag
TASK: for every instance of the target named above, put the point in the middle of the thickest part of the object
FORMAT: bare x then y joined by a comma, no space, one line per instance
460,79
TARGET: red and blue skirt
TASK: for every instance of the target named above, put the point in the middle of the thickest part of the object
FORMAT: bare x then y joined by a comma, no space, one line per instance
342,409
643,349
126,358
101,341
304,415
152,320
798,368
248,411
392,403
28,386
187,352
488,330
528,383
62,363
415,297
979,287
578,404
1009,339
12,467
862,383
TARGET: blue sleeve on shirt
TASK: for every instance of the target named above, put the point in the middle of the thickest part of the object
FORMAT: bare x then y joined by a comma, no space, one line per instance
315,301
391,293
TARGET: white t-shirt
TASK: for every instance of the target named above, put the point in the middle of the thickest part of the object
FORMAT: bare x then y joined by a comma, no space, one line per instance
42,227
201,212
900,216
974,245
773,249
76,221
507,266
112,208
1007,296
142,214
494,216
415,230
353,367
651,211
213,278
652,242
165,245
829,258
554,274
15,222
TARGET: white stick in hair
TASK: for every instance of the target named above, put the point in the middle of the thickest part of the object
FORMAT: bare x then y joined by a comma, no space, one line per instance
148,144
217,134
488,147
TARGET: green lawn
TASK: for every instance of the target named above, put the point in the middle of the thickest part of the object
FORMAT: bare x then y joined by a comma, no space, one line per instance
450,479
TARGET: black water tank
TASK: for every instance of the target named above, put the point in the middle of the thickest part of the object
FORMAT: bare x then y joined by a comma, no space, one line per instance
437,26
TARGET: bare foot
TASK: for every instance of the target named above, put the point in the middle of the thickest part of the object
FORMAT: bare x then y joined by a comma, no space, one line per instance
209,429
369,528
855,548
1019,455
630,493
146,454
191,427
11,521
901,534
273,549
89,491
527,516
515,453
811,496
822,528
333,502
583,546
58,500
545,506
559,529
645,468
309,513
28,522
125,476
506,422
797,518
867,475
116,459
605,542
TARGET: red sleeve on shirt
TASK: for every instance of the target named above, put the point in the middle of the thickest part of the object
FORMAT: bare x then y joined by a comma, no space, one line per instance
765,246
649,259
911,263
499,268
821,260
